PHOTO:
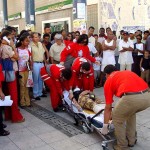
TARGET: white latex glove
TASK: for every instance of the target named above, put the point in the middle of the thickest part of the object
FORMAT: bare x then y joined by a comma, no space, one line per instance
61,63
104,130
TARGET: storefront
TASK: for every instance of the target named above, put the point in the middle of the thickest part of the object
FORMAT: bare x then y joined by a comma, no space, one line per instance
57,14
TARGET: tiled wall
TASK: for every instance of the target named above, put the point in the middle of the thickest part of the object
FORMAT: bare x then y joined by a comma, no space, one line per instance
92,16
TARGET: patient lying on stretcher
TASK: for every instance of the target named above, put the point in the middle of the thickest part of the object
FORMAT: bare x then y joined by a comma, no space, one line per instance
86,100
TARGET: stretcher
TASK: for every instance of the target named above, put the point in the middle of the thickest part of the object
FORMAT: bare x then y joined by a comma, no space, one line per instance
89,120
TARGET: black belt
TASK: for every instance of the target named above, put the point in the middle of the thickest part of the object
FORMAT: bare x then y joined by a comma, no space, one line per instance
134,93
38,62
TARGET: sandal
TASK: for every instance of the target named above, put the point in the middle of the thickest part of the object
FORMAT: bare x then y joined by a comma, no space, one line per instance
4,133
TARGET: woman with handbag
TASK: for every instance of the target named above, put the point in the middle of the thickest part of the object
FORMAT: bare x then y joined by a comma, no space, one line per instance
23,61
9,56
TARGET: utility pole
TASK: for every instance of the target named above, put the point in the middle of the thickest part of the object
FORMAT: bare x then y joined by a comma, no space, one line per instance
30,14
5,13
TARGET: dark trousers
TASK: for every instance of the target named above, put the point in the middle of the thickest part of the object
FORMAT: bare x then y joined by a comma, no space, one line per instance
1,119
136,65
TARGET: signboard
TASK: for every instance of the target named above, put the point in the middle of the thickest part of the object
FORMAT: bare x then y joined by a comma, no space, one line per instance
79,25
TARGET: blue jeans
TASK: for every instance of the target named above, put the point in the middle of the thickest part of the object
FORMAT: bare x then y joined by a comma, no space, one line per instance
37,80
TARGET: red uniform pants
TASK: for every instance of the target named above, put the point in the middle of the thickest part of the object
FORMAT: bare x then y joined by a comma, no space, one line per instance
12,113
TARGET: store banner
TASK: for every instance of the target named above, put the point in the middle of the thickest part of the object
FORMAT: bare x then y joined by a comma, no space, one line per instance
79,9
79,16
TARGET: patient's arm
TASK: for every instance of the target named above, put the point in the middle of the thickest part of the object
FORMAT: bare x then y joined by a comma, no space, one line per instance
85,92
76,104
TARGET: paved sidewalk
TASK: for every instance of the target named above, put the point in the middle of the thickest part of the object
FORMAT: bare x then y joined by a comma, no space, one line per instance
34,134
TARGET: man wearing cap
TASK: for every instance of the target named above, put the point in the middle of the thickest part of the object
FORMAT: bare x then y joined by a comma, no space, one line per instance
125,49
132,37
134,97
56,49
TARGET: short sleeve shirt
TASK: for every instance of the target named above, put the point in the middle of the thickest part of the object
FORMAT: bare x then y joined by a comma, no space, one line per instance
23,59
56,50
37,52
120,82
125,57
7,52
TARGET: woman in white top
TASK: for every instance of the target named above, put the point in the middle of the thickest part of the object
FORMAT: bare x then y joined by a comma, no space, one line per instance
109,46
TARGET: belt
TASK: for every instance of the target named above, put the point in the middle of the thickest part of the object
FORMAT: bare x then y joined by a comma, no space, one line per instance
38,62
134,93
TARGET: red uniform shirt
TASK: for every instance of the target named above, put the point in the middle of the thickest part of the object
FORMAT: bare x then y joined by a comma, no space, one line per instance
55,71
1,75
76,70
76,50
67,42
120,82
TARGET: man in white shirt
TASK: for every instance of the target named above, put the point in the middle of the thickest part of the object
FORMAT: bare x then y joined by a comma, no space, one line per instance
56,49
125,48
132,37
102,36
90,35
92,49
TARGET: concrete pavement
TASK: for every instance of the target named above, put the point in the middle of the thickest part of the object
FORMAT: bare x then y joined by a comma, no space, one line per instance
35,134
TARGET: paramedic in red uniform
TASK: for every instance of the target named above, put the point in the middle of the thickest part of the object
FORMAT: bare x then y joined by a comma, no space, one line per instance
82,74
55,77
79,49
134,97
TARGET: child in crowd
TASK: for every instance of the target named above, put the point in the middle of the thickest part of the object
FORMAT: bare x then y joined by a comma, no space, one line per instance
97,71
145,66
23,65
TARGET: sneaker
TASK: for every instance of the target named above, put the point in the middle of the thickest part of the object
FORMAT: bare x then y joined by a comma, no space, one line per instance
133,144
37,98
55,109
22,107
4,126
30,105
44,95
4,133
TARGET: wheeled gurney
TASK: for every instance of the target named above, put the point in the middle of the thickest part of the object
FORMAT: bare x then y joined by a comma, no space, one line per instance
89,120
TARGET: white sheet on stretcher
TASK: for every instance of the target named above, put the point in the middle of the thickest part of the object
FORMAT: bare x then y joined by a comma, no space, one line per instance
99,118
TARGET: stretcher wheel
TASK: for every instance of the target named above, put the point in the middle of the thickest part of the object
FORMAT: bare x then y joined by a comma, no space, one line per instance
76,121
85,128
105,146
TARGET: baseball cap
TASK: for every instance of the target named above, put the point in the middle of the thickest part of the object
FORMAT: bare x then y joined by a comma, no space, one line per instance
58,37
132,31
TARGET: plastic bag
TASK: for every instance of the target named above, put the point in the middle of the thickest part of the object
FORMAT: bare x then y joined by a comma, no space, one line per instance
30,80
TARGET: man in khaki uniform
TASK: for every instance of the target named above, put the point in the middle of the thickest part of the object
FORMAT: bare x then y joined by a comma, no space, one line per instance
134,97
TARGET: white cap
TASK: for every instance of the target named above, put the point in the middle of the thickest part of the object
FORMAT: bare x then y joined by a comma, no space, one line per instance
76,89
132,31
58,37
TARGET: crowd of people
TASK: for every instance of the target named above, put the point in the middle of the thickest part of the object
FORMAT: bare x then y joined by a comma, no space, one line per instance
64,61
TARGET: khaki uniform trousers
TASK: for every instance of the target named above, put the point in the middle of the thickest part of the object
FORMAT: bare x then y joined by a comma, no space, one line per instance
24,91
124,118
145,75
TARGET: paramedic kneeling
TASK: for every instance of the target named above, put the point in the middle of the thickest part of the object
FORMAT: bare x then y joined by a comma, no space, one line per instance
134,97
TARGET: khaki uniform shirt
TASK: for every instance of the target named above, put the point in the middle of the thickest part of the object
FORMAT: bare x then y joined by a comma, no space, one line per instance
37,52
56,50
